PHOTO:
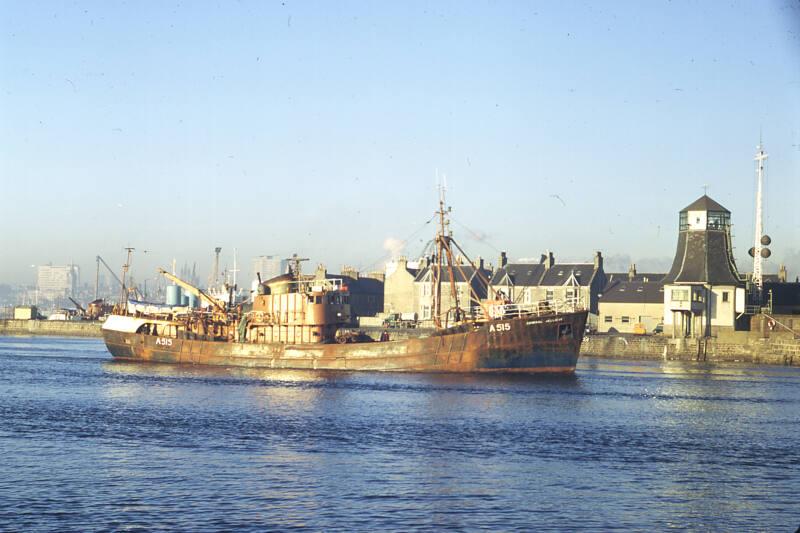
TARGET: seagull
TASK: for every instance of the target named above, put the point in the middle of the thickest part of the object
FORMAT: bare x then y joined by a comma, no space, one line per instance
557,197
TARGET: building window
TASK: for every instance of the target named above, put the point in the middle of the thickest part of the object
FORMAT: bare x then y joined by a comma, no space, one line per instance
608,318
724,296
718,220
680,295
683,221
549,295
626,319
426,312
698,297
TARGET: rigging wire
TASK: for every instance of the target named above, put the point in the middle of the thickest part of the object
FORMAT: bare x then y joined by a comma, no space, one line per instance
475,235
404,243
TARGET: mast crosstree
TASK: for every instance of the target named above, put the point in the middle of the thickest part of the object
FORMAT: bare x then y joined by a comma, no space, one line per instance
444,245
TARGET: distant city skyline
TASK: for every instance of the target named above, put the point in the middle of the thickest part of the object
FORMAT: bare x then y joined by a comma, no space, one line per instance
320,129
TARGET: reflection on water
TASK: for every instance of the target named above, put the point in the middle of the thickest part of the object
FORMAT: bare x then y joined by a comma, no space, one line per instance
92,444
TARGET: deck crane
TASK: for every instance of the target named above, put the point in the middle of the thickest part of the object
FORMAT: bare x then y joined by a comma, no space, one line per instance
212,302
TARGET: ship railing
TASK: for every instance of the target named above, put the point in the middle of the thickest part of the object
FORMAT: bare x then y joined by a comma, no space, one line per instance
316,285
515,310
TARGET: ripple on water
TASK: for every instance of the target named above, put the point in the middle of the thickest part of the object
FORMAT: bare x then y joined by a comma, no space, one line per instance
89,444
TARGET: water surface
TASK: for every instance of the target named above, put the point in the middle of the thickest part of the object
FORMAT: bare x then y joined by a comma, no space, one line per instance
88,444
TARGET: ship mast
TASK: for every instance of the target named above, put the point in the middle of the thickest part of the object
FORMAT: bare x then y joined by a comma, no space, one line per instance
444,252
761,156
123,296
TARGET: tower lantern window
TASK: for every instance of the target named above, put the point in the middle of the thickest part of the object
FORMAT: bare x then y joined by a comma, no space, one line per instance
718,220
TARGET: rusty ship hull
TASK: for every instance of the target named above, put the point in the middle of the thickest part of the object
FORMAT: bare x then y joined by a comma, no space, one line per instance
529,344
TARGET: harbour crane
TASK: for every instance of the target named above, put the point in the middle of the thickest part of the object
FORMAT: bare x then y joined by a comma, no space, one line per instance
100,261
78,306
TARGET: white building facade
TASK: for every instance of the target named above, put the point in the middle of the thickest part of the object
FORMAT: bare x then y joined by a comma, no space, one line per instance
703,290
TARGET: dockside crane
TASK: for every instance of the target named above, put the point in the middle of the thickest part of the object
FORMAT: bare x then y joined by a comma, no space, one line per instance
100,261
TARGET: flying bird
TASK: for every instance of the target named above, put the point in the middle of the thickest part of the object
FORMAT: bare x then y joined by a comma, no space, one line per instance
557,197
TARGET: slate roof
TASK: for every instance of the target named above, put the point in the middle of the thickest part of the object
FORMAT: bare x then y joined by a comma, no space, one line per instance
704,203
785,296
522,274
633,292
639,276
559,273
702,257
360,285
468,270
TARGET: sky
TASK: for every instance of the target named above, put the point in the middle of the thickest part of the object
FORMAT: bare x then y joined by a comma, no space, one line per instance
323,128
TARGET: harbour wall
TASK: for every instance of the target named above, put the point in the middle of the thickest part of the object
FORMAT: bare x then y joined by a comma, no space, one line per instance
65,328
732,347
750,347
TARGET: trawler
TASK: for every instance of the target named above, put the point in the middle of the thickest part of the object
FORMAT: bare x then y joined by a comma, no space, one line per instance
302,322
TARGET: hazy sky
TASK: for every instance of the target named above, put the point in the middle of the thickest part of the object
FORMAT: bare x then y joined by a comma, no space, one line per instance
319,127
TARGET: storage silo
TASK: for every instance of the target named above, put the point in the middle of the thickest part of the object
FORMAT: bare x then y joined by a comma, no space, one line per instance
173,295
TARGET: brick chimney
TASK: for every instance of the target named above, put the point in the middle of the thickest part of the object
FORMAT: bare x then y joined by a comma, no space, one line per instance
631,271
598,261
350,272
548,260
503,261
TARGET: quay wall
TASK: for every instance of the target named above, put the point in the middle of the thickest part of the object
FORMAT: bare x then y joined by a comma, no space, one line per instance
66,328
733,347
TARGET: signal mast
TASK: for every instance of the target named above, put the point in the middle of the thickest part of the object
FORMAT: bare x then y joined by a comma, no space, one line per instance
759,250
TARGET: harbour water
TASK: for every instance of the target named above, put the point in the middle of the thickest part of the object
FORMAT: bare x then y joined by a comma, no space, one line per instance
88,444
